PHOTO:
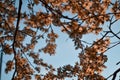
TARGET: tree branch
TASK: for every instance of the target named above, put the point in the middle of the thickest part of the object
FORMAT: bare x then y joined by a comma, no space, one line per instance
15,35
1,60
111,29
114,74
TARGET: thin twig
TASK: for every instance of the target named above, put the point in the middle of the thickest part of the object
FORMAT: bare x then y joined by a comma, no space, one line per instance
28,61
111,29
113,45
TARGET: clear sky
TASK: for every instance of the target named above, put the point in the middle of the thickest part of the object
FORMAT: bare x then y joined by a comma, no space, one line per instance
66,53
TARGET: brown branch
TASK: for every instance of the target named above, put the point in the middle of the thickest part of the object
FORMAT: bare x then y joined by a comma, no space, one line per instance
15,35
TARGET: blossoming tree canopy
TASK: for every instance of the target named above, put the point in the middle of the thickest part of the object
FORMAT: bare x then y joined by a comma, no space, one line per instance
35,20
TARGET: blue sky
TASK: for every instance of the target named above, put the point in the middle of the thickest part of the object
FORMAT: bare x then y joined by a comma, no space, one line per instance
66,53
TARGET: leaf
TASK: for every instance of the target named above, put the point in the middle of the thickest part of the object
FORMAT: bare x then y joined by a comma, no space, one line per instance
36,2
